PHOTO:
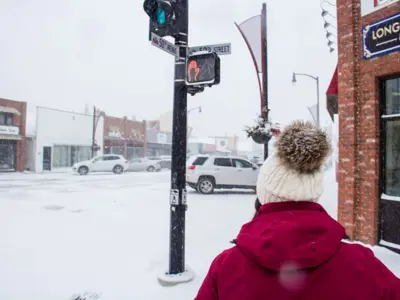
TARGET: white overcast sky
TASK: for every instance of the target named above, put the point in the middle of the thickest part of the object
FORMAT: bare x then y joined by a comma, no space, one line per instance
67,53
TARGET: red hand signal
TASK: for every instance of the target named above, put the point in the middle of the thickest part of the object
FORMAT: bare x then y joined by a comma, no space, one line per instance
193,65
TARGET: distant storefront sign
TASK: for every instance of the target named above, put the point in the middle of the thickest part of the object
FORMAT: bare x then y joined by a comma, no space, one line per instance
381,37
162,138
209,148
9,130
369,6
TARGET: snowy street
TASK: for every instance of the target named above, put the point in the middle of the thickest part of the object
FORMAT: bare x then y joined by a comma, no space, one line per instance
64,234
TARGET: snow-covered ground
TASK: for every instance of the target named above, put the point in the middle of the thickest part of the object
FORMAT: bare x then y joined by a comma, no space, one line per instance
63,234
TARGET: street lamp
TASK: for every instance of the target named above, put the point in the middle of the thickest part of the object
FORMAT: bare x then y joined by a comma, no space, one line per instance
294,80
325,1
96,117
190,129
329,34
326,25
194,108
325,13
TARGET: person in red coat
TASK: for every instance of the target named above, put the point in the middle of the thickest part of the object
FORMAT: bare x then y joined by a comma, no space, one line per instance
292,249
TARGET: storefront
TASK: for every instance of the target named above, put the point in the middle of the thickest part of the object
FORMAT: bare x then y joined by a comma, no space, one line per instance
12,133
62,139
68,155
124,137
369,120
158,143
8,155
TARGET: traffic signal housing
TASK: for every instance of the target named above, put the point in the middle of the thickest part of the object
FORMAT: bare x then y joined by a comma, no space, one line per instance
203,69
162,16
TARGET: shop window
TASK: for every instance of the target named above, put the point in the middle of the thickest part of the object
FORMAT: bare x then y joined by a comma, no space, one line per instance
392,95
390,162
391,127
135,152
6,119
8,152
116,150
67,156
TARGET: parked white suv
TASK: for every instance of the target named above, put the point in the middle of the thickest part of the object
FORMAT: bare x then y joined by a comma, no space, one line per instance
103,163
205,173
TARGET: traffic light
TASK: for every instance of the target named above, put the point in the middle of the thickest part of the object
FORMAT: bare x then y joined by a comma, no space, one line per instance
203,69
162,15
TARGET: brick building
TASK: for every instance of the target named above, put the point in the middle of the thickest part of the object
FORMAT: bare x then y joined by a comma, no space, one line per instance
369,120
12,135
125,137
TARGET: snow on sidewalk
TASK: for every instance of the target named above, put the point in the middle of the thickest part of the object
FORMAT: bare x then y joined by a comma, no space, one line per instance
107,234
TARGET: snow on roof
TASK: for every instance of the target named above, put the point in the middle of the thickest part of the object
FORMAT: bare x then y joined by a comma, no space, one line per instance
30,123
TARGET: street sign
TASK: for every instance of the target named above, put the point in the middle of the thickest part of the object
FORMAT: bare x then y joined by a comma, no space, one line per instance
220,49
163,44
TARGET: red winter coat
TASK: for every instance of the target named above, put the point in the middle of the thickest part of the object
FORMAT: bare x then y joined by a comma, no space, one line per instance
295,251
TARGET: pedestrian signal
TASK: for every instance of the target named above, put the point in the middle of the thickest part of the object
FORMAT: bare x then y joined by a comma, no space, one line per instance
203,69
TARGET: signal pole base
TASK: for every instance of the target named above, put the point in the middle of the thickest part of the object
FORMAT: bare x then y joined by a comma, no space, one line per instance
166,279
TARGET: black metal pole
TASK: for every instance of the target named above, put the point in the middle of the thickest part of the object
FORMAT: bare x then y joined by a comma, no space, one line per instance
264,45
94,130
179,141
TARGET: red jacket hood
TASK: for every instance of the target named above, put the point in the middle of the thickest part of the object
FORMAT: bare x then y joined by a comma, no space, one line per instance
290,236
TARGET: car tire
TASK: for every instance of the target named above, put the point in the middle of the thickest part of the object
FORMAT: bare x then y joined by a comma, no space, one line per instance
206,185
118,169
83,170
151,169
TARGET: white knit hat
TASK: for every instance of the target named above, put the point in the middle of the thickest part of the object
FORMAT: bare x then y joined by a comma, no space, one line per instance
294,172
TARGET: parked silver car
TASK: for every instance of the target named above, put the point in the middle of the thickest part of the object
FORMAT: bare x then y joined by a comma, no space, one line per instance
144,164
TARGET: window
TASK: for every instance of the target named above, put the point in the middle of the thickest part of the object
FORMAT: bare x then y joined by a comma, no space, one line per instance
392,95
67,156
240,163
116,150
389,205
111,158
134,152
6,119
223,162
199,161
100,158
391,137
7,155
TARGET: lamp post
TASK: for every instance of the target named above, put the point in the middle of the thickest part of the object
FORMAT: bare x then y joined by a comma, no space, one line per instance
96,117
189,111
195,108
294,80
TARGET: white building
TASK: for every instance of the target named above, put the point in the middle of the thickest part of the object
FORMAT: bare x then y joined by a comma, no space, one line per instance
61,138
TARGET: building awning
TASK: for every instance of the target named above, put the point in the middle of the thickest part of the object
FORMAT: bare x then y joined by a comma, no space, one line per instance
10,110
10,137
332,95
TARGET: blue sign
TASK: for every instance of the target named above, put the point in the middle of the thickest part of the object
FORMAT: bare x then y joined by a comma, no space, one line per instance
381,37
